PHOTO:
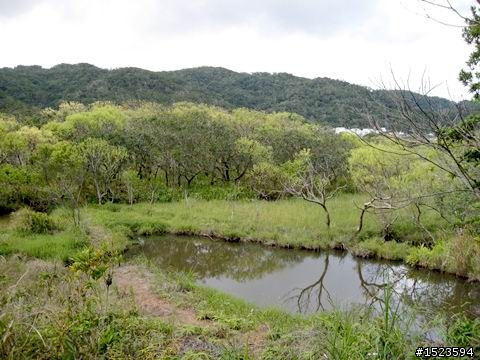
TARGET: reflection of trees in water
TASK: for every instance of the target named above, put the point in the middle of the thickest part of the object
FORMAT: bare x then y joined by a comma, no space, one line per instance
428,291
425,291
442,293
317,290
211,258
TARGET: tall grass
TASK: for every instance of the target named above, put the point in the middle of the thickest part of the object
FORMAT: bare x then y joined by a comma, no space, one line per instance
288,223
41,236
293,223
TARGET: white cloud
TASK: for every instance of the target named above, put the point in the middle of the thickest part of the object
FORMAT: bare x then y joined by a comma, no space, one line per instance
349,40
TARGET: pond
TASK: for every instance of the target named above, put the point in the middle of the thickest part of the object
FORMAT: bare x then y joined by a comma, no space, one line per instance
305,282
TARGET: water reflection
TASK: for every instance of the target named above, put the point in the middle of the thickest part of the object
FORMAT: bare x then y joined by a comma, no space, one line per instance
213,259
306,282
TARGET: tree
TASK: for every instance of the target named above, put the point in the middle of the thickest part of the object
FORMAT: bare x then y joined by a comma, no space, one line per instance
266,179
420,125
103,163
130,181
65,109
144,142
395,179
446,138
66,167
311,183
471,33
103,121
20,186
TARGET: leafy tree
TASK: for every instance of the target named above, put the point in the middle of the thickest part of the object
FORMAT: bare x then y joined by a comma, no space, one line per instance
65,109
396,179
145,143
22,185
266,180
102,121
446,138
64,167
471,33
131,183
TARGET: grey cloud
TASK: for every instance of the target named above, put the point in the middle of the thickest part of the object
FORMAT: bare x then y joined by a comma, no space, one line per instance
184,16
320,16
10,8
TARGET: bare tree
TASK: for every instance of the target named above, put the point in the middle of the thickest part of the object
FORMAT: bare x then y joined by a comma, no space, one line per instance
312,183
420,124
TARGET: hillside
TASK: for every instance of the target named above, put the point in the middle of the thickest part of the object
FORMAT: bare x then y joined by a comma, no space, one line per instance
24,89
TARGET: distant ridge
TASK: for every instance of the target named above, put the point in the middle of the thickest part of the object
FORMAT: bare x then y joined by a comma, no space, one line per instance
25,89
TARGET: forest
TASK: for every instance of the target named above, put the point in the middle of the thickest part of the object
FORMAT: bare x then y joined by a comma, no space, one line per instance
25,90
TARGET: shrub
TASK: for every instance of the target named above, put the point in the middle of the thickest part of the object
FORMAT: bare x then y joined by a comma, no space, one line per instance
29,221
464,256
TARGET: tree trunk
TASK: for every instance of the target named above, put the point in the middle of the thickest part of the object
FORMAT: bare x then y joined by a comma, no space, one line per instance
327,215
360,222
99,193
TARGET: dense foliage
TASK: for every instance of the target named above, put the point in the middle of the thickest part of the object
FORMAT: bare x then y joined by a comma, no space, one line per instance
151,153
471,33
26,89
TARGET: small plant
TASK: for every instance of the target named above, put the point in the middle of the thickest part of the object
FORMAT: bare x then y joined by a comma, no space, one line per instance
92,262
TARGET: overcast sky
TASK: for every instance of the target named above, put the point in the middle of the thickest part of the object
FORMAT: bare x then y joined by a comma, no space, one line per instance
352,40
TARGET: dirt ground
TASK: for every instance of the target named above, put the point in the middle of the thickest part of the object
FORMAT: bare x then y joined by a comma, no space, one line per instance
135,280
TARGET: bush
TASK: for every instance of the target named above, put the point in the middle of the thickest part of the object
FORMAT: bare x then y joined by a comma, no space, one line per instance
220,192
29,221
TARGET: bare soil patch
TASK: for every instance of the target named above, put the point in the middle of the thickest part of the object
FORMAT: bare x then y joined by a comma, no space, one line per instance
136,280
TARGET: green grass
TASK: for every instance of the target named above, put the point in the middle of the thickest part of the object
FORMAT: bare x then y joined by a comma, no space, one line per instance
377,247
232,329
59,244
39,320
290,223
94,327
43,246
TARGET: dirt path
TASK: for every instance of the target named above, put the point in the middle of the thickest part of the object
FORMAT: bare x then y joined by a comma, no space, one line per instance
137,280
133,279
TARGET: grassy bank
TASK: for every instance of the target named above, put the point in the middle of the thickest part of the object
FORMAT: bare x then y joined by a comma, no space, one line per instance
50,311
59,244
299,224
288,223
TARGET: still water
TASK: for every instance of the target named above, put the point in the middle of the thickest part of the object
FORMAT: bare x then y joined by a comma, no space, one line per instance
306,282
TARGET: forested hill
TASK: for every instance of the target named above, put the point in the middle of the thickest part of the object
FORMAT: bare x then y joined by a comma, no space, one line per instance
26,88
